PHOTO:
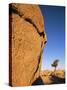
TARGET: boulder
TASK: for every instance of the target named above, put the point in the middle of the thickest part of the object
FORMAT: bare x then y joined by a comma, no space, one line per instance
26,42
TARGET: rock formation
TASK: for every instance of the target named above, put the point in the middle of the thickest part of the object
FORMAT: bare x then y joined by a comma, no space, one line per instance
26,42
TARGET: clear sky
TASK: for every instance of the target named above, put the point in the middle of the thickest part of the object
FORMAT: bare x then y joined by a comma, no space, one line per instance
54,18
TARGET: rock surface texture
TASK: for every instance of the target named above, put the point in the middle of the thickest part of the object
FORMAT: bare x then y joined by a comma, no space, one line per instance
26,42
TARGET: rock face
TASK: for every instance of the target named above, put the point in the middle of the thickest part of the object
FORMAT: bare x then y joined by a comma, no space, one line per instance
26,42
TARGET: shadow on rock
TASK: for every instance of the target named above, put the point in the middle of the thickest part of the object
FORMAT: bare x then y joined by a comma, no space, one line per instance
38,81
57,80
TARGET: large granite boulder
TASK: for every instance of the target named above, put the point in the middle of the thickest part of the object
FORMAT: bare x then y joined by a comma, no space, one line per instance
26,42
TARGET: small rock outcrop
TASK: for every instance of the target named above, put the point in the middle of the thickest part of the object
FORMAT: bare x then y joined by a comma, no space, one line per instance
26,42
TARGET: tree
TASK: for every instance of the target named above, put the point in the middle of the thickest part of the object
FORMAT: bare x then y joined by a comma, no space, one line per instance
55,64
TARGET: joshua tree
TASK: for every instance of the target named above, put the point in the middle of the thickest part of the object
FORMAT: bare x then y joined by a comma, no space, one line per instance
55,64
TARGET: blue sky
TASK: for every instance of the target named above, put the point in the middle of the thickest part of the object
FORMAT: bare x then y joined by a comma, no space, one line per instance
54,18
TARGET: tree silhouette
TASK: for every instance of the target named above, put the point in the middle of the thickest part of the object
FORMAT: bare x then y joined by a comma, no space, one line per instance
55,64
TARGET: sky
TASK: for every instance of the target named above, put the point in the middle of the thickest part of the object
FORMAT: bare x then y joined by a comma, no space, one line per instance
54,24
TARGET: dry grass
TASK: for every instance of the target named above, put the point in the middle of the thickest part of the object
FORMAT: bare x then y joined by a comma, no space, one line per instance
50,77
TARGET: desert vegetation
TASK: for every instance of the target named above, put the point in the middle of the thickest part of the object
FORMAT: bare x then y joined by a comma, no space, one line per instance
56,76
50,77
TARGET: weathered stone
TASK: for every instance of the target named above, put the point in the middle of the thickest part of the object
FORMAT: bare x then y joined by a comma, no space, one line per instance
26,39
